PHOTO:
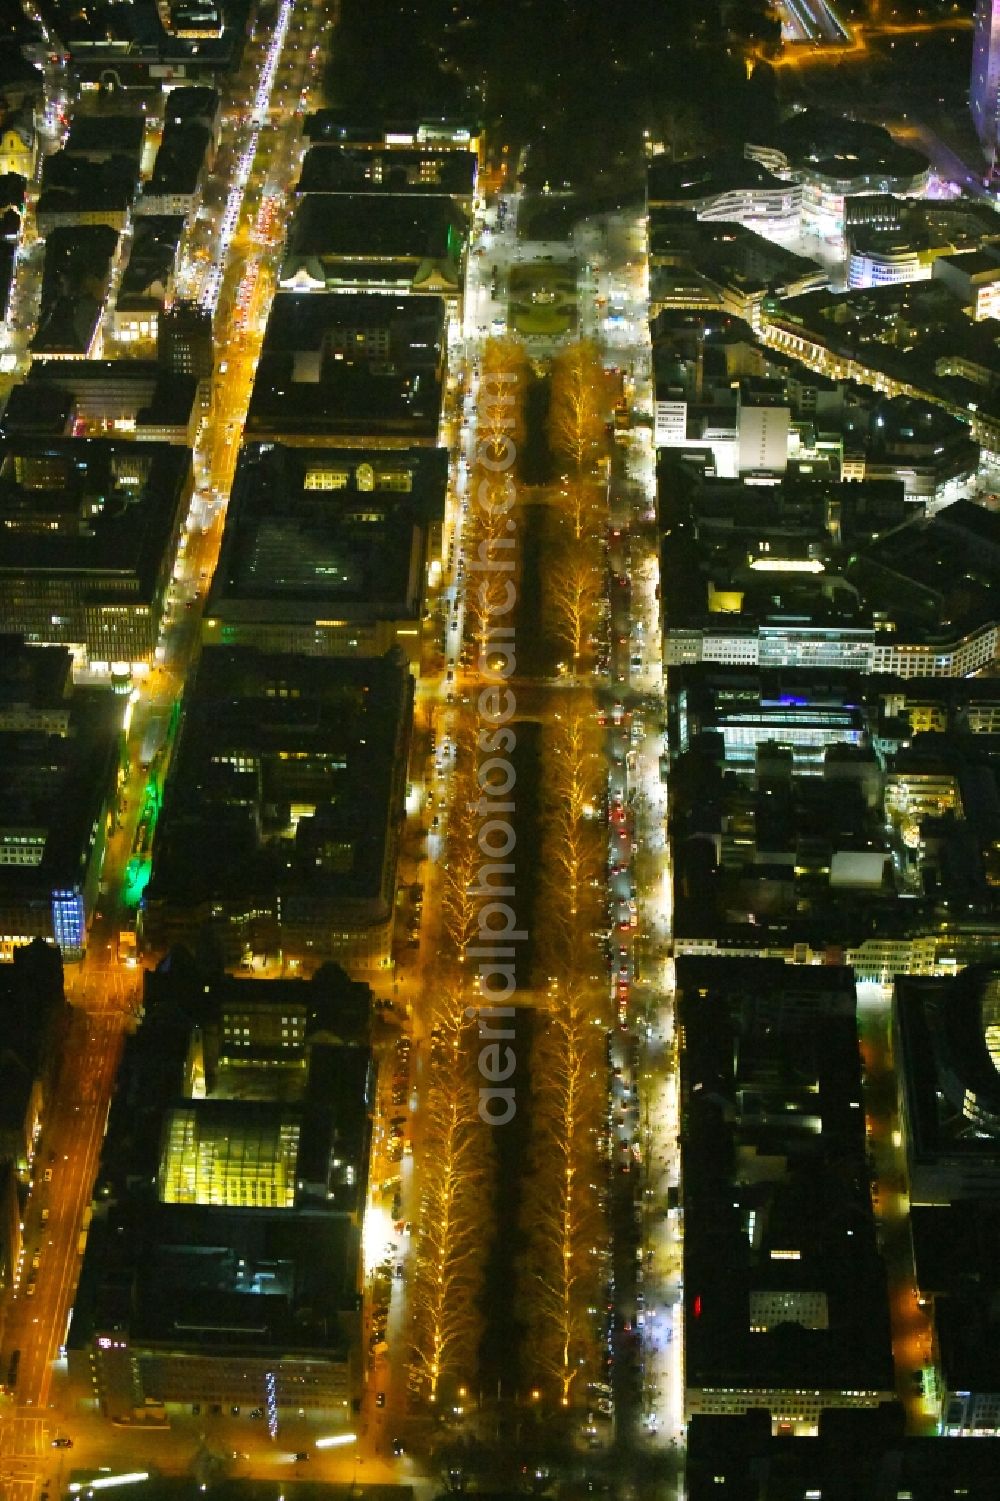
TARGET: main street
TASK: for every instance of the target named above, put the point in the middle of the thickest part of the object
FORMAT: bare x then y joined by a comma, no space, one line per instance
105,989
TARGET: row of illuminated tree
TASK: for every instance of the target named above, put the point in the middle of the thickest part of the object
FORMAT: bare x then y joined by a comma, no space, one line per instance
561,1278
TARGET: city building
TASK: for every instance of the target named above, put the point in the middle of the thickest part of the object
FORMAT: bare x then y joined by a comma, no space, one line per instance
802,573
184,341
726,185
90,532
433,134
834,157
984,87
860,336
35,1017
184,157
861,1454
280,825
721,264
94,398
955,1250
76,279
59,761
327,551
147,281
823,816
356,371
974,277
425,171
131,54
762,425
18,143
945,1042
785,1302
377,242
223,1269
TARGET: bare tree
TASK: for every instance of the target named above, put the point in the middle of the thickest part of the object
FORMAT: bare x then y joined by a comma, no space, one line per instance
573,846
582,506
578,407
573,588
563,1220
457,1180
459,904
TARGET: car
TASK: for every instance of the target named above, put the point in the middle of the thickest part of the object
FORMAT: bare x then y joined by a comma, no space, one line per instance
301,1457
397,1448
62,1443
380,1399
47,1175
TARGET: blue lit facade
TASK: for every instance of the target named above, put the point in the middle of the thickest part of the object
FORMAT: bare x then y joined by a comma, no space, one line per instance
984,90
69,923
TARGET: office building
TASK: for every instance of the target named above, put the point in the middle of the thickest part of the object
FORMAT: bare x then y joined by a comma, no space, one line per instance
803,573
864,1455
223,1269
946,1041
282,809
184,340
34,1016
785,1304
90,532
955,1259
356,371
763,427
76,278
97,398
327,551
380,242
59,757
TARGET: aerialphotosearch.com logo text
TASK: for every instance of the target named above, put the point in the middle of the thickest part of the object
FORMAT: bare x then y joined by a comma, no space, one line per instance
497,932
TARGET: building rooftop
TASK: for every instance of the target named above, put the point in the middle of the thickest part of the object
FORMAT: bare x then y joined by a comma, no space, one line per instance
58,760
359,226
947,1061
856,1456
285,782
842,150
148,271
702,177
96,505
75,280
305,534
422,172
783,1284
179,160
341,364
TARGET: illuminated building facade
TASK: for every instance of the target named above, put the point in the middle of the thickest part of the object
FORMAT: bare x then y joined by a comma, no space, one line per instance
984,88
227,1159
59,762
230,1203
90,531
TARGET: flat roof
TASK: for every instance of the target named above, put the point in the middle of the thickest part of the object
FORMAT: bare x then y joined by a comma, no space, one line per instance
54,789
263,734
366,225
423,171
289,541
129,490
776,1203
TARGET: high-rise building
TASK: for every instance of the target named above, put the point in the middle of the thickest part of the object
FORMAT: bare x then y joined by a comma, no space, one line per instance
984,91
